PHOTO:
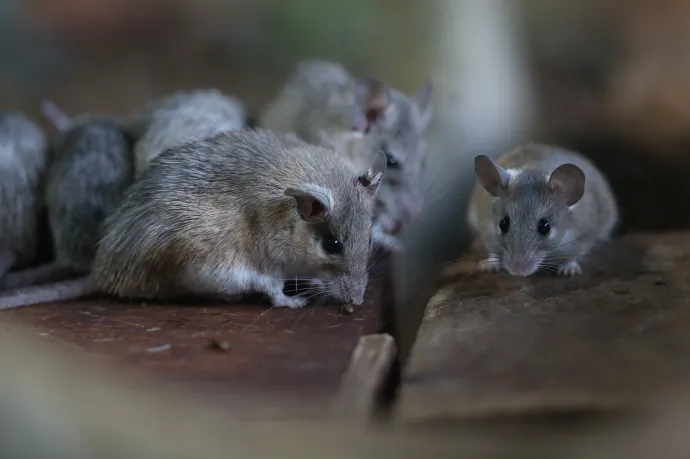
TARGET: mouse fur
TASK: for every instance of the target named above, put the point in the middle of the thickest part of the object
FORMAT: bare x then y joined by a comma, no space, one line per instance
540,207
22,166
323,104
237,213
89,169
181,117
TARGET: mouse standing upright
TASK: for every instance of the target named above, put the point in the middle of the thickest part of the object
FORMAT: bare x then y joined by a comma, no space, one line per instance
359,118
540,207
90,168
22,166
240,212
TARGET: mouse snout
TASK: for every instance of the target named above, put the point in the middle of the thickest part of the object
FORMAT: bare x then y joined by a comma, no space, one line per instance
352,290
412,207
519,265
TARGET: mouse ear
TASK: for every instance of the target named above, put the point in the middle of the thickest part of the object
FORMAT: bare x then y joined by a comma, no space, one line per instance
423,102
372,178
568,184
314,202
492,176
55,115
372,98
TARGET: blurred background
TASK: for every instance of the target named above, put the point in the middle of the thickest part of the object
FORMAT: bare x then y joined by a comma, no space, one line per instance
610,78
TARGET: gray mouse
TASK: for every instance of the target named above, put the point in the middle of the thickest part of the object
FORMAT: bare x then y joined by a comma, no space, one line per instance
90,168
179,118
540,207
323,104
240,212
22,166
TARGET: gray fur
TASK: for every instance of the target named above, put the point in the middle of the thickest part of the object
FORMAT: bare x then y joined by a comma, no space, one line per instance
86,181
319,103
179,118
527,198
22,166
57,291
211,218
88,173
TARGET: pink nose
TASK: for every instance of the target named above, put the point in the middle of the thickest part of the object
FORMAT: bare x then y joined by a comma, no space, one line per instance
396,228
412,209
521,267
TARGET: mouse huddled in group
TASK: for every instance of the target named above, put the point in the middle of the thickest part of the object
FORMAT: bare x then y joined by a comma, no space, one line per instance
181,197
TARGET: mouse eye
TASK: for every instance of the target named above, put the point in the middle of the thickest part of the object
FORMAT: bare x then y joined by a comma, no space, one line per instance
504,224
543,227
332,245
391,161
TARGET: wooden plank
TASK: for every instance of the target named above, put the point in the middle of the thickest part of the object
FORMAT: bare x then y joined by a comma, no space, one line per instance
492,345
297,355
369,367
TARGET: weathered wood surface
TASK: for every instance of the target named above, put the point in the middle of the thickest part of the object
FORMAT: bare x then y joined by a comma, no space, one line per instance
295,356
493,345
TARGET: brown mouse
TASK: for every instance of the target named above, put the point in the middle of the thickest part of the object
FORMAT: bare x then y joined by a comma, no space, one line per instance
240,212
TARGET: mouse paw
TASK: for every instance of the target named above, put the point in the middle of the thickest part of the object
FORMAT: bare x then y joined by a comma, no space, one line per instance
490,265
292,302
571,268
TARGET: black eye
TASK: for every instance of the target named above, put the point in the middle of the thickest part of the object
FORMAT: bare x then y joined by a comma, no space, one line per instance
391,161
504,224
332,245
543,227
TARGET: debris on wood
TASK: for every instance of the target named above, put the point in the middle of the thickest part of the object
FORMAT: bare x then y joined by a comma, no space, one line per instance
162,348
220,344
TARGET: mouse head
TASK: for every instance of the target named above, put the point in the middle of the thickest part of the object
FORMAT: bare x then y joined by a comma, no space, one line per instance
395,125
532,212
333,234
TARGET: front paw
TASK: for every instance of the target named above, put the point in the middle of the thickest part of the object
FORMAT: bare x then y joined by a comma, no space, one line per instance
571,268
490,265
292,302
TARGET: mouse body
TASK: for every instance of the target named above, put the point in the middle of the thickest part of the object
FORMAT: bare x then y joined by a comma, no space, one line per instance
89,169
324,104
540,207
179,118
22,166
237,213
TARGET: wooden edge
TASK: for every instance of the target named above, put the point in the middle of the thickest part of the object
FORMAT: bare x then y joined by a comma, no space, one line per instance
369,367
416,409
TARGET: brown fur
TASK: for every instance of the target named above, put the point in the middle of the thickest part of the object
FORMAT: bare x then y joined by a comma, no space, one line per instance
211,217
323,104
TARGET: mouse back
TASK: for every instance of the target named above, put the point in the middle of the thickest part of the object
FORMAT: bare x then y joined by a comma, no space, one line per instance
22,167
180,118
87,177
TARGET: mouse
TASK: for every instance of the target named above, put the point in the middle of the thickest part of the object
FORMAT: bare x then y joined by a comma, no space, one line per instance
179,118
22,166
540,207
324,104
241,212
89,168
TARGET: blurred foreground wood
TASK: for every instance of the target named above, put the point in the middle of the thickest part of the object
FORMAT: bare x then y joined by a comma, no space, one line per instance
55,403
